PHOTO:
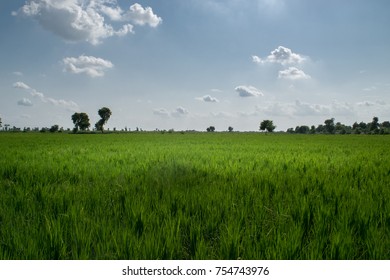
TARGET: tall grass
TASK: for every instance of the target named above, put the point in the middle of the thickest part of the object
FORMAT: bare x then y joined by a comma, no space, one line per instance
194,196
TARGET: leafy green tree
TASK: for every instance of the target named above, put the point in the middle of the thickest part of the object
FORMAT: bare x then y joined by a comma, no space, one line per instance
54,128
320,128
363,126
329,126
304,129
267,125
373,126
105,114
81,121
99,125
210,129
0,122
230,129
385,124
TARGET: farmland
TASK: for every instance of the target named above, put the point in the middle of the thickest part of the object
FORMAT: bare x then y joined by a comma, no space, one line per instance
194,196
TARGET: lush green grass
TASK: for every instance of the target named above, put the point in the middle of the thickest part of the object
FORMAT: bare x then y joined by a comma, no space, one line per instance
194,196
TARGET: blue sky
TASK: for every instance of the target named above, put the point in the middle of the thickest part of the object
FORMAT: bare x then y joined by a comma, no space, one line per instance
189,64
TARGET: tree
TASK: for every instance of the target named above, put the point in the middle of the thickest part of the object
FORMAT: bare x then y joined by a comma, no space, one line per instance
267,125
329,126
230,129
363,125
54,128
385,124
81,121
0,122
210,129
105,114
374,125
304,129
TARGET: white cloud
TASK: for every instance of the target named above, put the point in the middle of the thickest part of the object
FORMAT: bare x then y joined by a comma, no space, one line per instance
372,88
222,115
293,73
256,59
35,93
161,112
25,102
87,20
21,85
370,103
89,65
17,73
342,108
136,14
177,113
208,98
278,109
281,55
69,105
299,108
114,13
142,16
248,91
307,109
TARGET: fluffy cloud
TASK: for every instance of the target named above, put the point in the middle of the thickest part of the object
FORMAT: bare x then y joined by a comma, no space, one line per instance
20,85
113,12
208,98
180,112
299,108
307,109
281,55
69,105
293,73
277,109
161,112
89,65
177,113
142,16
370,103
84,20
25,102
222,115
248,91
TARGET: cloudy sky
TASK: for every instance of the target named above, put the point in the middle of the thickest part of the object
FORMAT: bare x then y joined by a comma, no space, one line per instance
189,64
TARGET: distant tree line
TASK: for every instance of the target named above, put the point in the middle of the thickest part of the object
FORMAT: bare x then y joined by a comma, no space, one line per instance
82,123
330,127
212,129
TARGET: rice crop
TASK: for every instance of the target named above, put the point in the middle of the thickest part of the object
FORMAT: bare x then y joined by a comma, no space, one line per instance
194,196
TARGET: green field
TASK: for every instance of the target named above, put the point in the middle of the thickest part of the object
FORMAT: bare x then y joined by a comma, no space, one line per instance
194,196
